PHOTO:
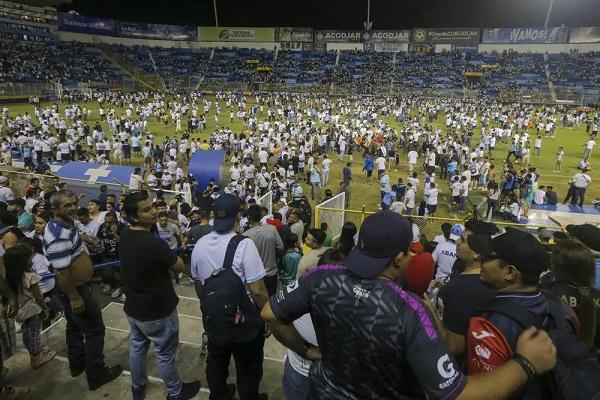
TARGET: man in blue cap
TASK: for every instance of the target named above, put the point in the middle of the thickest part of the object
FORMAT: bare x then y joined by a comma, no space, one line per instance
377,341
209,256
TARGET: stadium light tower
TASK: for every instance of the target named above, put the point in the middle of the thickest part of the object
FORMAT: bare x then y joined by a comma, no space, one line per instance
549,12
216,14
368,24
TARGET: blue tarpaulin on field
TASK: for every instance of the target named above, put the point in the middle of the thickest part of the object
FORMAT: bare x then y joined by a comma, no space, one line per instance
88,177
206,165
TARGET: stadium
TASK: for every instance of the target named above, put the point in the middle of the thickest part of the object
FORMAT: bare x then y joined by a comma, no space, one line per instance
331,128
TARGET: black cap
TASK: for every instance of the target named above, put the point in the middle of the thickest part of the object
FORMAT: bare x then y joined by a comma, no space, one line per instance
515,247
587,234
226,209
18,201
382,237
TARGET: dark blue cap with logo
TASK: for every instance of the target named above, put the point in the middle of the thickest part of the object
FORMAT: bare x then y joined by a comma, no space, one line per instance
227,207
382,237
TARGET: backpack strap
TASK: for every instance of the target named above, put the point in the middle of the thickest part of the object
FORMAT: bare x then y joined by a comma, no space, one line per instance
231,248
512,310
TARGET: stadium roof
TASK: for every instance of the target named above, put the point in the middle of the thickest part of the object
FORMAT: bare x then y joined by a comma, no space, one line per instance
348,14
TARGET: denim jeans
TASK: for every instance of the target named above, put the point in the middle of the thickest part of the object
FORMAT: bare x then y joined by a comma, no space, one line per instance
84,334
164,335
295,385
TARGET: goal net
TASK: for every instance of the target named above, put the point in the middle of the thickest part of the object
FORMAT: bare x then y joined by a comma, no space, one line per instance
331,212
266,200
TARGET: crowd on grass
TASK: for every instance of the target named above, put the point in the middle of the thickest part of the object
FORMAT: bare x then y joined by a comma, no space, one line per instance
445,304
440,301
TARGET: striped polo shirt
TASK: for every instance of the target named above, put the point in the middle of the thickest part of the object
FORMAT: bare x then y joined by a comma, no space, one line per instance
62,244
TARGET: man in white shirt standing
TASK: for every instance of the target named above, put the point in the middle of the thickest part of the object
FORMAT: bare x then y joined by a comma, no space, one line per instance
326,164
412,160
135,180
589,146
582,180
432,199
444,254
380,162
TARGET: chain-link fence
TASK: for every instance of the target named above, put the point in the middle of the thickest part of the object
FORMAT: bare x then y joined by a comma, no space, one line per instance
333,214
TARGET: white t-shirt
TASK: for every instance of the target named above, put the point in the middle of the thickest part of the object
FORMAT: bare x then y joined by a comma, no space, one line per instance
326,163
582,180
590,144
209,253
465,188
412,157
380,161
445,256
409,198
135,182
432,199
305,328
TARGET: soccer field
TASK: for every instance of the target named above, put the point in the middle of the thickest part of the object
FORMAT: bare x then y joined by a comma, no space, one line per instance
572,140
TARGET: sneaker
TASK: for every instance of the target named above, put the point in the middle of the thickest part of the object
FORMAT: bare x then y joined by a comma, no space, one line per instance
122,298
138,394
116,293
106,289
188,390
108,375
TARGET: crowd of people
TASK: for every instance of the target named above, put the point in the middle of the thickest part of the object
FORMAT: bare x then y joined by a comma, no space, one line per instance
444,305
517,73
317,294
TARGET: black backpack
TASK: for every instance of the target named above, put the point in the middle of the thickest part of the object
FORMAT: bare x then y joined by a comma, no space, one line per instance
576,375
228,314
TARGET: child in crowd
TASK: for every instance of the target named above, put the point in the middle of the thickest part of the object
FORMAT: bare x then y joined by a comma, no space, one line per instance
32,307
289,261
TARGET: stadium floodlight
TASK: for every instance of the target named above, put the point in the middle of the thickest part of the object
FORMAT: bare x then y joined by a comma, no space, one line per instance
549,12
216,14
368,24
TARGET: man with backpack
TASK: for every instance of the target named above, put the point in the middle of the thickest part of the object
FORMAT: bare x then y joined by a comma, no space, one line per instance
229,279
512,262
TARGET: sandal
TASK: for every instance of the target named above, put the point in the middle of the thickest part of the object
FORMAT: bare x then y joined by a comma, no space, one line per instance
42,358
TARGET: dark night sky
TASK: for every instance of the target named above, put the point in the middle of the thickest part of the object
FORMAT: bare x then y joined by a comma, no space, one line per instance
348,14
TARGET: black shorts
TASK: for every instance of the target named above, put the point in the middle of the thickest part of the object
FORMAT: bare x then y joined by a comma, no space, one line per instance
369,173
431,208
456,199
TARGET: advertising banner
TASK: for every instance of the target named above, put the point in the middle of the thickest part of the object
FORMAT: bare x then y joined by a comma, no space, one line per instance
465,48
446,35
526,35
389,47
382,36
298,35
215,34
586,34
81,24
156,31
338,36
